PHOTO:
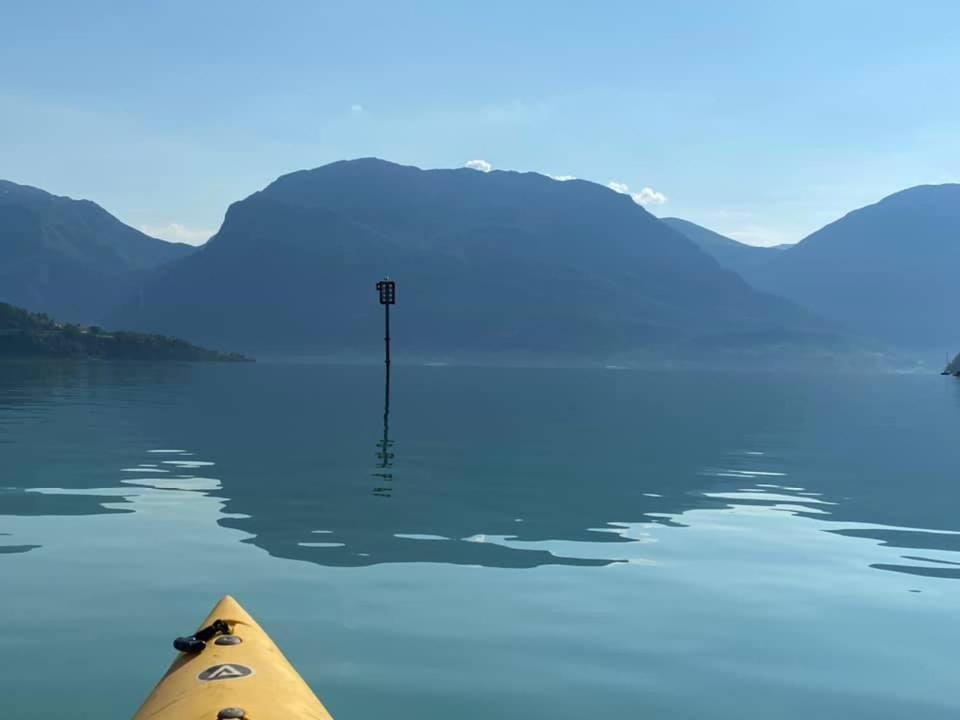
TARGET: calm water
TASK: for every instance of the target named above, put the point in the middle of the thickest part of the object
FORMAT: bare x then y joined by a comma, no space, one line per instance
552,543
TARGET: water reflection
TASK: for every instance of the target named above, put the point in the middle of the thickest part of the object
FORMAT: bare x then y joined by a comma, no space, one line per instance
479,487
10,549
385,454
30,501
501,468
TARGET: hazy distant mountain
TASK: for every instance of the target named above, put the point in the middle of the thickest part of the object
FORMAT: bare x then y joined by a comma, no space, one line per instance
70,258
731,254
498,261
888,270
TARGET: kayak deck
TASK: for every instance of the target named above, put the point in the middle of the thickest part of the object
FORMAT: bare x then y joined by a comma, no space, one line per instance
229,679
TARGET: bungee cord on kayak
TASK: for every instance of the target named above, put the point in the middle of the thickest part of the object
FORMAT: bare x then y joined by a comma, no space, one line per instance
198,641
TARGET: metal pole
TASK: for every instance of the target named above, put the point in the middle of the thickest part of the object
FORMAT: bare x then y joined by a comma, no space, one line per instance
386,336
386,386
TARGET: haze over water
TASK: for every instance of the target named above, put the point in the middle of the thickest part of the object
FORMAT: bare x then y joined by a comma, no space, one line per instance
547,543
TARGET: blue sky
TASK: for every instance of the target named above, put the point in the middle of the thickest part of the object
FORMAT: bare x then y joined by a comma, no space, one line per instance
762,120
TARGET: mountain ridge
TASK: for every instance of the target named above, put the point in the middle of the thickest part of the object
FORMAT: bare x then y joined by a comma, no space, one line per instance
732,254
71,258
502,260
886,270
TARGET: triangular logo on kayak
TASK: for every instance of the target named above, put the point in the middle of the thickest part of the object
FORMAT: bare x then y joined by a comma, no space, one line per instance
225,672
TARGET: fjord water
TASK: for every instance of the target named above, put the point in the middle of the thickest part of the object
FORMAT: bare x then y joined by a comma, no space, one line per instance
547,543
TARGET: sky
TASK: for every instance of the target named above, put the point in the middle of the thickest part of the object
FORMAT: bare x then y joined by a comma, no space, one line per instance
761,120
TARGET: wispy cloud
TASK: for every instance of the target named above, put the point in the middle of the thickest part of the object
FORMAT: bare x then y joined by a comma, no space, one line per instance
646,196
175,232
562,178
356,108
762,236
481,165
745,225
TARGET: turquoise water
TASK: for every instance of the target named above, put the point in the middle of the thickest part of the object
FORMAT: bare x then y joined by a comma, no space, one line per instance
547,543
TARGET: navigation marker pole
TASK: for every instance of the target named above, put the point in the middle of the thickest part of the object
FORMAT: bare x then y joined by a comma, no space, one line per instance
388,296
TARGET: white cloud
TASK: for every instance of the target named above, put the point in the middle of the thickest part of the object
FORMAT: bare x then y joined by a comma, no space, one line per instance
646,196
649,196
356,108
175,232
481,165
562,178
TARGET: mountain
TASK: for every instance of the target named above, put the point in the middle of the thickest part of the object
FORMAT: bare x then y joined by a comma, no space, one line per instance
953,367
485,262
28,335
71,258
737,256
887,271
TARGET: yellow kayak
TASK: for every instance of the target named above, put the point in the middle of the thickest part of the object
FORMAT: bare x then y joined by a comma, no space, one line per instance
231,669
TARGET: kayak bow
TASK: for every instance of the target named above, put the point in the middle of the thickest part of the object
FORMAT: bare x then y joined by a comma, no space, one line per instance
237,674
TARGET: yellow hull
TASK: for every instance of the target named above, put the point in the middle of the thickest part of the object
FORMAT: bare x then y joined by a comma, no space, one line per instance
250,679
